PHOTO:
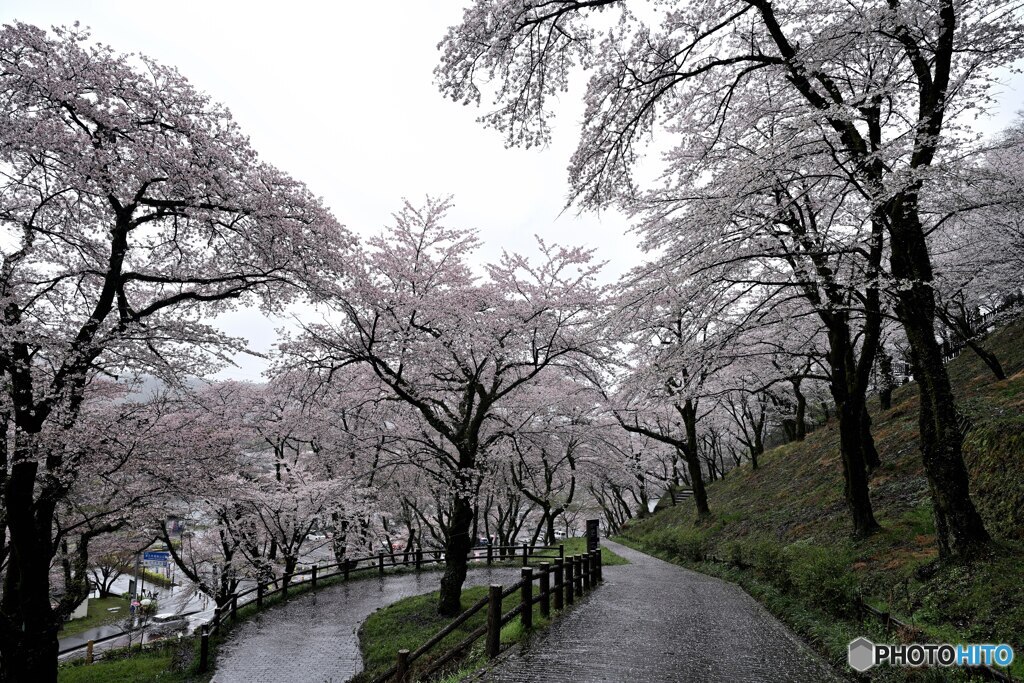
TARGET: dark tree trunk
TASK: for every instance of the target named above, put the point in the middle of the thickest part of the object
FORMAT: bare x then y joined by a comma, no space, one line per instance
457,547
855,442
801,411
700,495
885,398
549,534
990,359
31,656
887,381
867,442
959,529
967,325
855,471
28,650
789,430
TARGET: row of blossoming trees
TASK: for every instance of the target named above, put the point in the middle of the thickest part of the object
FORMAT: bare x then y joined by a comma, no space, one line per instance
823,214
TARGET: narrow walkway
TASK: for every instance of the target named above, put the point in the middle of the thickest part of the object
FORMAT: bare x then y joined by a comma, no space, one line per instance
314,638
655,621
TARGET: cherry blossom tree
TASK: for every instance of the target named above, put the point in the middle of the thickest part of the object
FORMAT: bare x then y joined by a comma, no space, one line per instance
885,86
452,345
132,210
629,472
978,244
551,437
113,555
676,340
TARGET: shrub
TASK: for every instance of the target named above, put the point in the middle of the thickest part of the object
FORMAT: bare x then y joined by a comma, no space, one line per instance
770,562
688,544
735,554
822,576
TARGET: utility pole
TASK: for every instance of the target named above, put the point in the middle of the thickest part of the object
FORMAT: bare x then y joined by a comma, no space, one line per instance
138,573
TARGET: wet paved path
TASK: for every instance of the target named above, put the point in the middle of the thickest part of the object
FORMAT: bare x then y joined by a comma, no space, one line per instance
314,638
655,621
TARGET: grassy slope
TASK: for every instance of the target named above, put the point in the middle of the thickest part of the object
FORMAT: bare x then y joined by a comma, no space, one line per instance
794,501
97,616
174,663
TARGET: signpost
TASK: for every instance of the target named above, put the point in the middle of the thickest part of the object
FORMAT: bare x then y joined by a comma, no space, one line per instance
593,540
156,557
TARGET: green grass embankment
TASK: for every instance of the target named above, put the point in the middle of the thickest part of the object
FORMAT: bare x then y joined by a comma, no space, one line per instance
782,531
99,614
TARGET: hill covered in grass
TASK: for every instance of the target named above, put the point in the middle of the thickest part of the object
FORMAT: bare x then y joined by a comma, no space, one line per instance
782,531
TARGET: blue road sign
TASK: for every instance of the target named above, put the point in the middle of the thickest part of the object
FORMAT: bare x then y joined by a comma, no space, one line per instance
156,556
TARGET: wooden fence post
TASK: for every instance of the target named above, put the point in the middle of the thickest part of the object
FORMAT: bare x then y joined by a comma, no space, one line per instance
525,550
380,562
561,550
260,587
345,567
559,583
570,580
216,619
234,608
586,572
490,552
285,580
402,667
493,621
545,589
204,649
88,652
419,558
526,610
312,577
578,574
600,565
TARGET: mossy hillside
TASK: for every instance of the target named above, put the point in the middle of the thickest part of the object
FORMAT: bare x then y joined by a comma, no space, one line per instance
769,523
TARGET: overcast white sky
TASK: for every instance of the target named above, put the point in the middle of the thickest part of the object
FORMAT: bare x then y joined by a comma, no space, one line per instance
341,95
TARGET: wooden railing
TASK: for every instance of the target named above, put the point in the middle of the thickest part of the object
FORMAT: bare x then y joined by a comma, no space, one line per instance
573,576
983,671
310,576
380,562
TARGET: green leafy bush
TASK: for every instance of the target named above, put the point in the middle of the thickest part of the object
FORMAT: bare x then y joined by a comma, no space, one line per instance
823,577
688,544
735,554
770,562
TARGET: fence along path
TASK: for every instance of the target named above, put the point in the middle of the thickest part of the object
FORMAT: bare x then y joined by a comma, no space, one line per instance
314,636
560,583
308,576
